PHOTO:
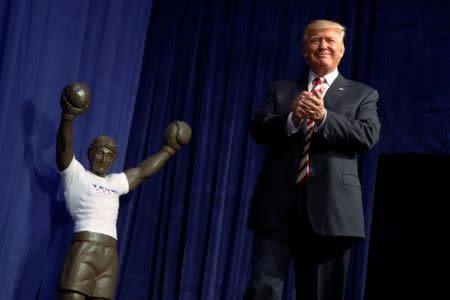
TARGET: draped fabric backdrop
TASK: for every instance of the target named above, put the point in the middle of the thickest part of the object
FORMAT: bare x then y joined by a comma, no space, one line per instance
182,234
45,45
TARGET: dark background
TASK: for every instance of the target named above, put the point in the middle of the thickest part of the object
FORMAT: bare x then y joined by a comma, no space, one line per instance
409,248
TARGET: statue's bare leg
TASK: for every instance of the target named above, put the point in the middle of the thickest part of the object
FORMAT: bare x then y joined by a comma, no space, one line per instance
71,295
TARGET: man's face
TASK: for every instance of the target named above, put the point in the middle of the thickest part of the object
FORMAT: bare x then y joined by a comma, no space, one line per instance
323,51
101,160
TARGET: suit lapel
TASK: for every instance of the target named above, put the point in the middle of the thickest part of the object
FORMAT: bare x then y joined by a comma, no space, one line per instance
335,92
300,85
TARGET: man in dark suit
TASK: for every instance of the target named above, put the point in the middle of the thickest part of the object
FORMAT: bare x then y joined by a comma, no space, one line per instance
307,202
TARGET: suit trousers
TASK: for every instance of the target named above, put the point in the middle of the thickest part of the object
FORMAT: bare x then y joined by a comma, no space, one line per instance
320,262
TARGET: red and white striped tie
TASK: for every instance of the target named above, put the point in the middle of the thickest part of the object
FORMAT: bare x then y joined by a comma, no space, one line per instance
303,169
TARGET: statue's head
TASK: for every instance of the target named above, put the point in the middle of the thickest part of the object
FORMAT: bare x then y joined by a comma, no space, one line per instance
102,154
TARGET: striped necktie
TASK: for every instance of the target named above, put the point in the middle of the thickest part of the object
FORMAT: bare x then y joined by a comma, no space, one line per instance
303,169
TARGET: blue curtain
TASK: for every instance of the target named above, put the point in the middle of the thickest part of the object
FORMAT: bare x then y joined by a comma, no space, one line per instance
182,234
45,45
410,42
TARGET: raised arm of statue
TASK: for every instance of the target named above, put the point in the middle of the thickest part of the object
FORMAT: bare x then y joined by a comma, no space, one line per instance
178,133
75,100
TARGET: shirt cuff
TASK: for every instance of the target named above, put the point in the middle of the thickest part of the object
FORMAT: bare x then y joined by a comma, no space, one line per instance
290,127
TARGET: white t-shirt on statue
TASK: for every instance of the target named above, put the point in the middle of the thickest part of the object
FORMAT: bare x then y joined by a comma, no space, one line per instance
93,201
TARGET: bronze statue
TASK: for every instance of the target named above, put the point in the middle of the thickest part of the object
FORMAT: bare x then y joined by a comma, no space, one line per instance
92,199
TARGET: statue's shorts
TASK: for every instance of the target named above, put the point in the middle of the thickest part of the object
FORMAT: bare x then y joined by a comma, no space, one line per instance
90,266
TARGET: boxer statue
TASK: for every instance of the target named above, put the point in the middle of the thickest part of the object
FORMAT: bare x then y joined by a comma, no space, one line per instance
92,198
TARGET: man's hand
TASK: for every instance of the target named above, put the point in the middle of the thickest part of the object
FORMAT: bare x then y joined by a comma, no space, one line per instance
311,104
298,111
75,100
178,133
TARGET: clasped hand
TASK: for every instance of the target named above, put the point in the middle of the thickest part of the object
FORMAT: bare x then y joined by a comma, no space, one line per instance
308,105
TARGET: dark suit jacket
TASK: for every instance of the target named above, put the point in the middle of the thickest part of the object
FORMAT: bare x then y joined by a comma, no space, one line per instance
333,191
